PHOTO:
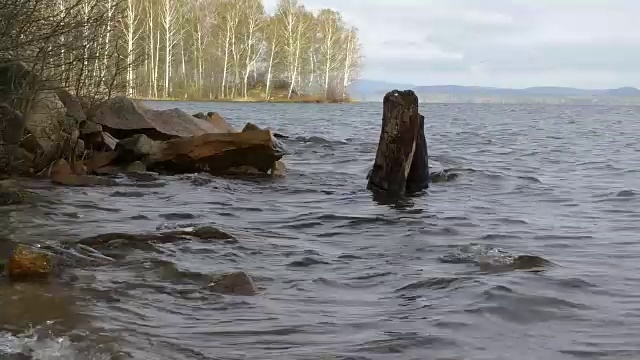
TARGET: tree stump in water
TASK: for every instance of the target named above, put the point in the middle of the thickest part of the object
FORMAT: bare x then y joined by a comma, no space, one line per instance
401,164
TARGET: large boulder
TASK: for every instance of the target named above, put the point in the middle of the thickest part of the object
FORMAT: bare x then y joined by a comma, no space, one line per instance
44,113
124,117
46,122
217,153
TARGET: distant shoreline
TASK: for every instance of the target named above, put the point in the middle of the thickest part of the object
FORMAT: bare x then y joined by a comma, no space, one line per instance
252,101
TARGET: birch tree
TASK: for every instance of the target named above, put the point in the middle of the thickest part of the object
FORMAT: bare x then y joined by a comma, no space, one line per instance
330,26
131,29
169,18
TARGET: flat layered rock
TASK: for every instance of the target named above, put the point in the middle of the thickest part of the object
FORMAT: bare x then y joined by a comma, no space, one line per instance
217,153
127,116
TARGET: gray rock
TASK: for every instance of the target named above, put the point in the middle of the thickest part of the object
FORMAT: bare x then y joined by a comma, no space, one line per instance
46,123
137,147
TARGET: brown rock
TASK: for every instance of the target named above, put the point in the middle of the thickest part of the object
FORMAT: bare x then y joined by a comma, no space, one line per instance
79,168
60,168
61,173
125,117
99,160
28,263
216,153
236,283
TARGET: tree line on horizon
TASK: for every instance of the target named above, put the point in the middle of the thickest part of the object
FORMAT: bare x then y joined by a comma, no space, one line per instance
183,49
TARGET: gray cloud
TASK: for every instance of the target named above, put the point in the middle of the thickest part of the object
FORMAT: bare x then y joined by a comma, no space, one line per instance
516,43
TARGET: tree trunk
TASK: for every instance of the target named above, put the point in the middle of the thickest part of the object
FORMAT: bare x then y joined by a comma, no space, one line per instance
400,142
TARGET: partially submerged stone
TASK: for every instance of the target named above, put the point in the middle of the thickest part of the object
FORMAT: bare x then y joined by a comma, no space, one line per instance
99,160
235,283
217,153
211,233
279,169
124,117
28,263
61,173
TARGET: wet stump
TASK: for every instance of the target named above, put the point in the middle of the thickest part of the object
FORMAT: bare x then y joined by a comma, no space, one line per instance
401,164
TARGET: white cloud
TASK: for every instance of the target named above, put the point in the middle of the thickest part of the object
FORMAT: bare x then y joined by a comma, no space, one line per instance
519,43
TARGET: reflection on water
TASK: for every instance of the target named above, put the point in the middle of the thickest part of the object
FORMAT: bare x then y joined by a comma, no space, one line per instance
531,253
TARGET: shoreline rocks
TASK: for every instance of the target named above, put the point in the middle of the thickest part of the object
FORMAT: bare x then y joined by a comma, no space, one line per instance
59,135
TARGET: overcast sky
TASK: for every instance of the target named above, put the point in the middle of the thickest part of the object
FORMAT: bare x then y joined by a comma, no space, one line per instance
507,43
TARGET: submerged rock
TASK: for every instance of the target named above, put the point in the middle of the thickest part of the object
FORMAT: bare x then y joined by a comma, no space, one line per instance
211,233
442,176
235,283
203,233
124,116
28,263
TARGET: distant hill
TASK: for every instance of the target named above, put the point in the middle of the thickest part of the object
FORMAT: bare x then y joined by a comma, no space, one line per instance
371,90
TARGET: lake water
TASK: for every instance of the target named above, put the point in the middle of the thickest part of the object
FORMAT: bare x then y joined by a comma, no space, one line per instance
342,276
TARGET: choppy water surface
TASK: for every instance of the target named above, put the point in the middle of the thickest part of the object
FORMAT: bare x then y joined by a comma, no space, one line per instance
342,276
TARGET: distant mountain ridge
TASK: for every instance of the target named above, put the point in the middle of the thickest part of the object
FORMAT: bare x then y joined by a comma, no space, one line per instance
374,90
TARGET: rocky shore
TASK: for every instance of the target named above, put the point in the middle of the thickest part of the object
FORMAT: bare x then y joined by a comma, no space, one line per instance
49,133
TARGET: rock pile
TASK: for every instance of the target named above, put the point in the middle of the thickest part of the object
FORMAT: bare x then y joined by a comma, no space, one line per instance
73,143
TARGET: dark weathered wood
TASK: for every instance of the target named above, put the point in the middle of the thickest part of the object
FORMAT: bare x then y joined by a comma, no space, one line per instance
418,178
398,138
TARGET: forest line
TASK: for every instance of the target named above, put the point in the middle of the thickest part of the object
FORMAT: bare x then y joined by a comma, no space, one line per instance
184,49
